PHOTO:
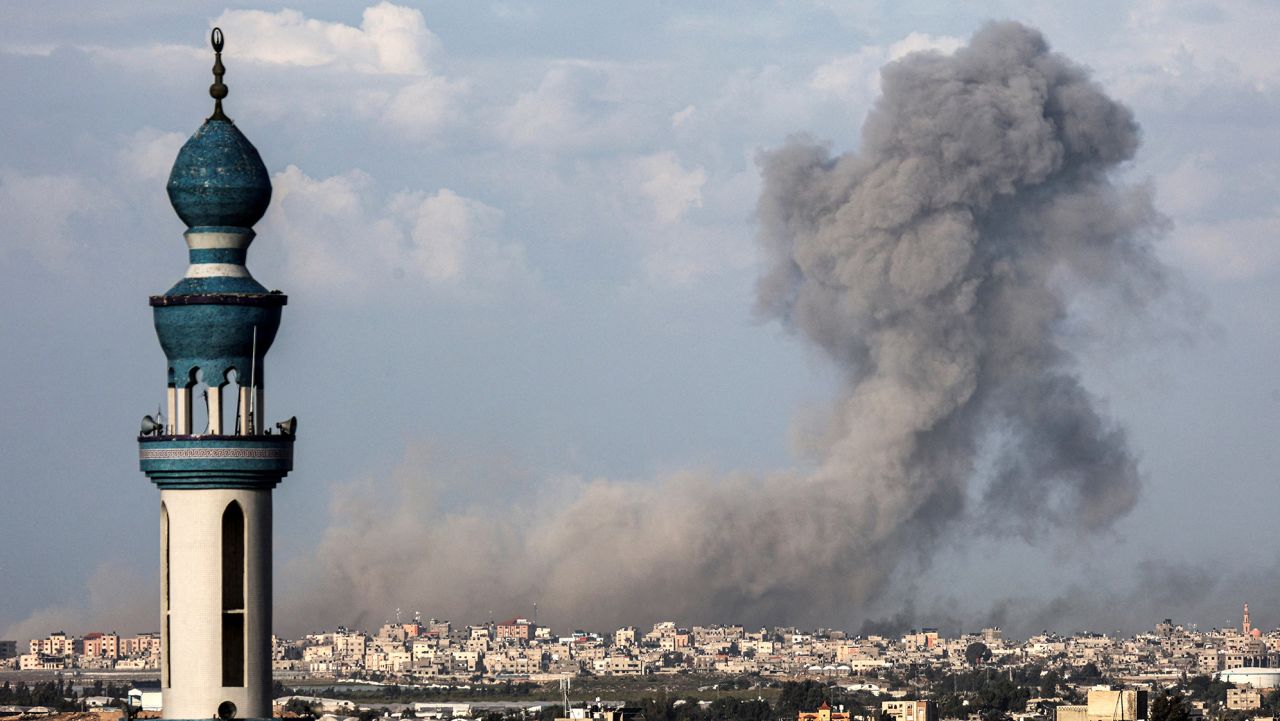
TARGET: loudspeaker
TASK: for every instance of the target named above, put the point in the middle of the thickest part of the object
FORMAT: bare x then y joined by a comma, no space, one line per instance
150,426
288,427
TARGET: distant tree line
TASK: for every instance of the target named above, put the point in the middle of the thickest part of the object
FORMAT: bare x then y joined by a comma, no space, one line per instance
395,693
58,694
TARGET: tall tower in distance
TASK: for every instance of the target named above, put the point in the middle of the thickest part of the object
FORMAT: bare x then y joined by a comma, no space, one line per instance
211,455
1247,628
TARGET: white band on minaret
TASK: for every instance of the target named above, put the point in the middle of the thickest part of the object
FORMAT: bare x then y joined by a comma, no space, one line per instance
217,270
218,241
214,241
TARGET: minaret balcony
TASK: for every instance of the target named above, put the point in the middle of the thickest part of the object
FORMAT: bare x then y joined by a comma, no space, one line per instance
209,461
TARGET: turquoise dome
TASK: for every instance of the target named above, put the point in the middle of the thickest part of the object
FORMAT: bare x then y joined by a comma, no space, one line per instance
218,179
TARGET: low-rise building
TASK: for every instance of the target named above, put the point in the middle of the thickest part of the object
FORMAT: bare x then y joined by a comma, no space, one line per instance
908,710
1107,704
516,629
824,713
145,695
1243,699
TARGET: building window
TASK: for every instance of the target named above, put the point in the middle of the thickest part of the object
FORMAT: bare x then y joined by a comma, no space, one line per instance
233,572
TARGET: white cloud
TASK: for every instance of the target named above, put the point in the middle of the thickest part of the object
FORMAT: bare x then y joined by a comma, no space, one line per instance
582,104
425,107
761,106
1226,220
1235,37
450,237
1186,56
1230,250
1201,79
924,42
557,112
380,71
39,212
148,153
669,187
312,70
655,195
323,226
59,219
773,101
856,76
339,235
38,49
681,117
1214,236
391,39
514,12
853,75
864,16
1192,187
683,254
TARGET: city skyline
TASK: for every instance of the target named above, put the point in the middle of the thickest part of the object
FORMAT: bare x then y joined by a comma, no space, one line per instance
400,618
506,365
416,649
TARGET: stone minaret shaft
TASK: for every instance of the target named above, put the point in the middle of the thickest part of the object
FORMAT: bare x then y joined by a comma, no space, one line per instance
212,457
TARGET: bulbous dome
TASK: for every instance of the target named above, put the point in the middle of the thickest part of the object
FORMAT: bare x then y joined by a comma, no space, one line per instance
218,178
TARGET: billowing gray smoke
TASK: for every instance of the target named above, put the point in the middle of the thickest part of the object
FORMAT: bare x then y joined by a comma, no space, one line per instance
938,266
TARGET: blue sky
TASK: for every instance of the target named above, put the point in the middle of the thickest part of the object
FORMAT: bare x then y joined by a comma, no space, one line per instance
520,249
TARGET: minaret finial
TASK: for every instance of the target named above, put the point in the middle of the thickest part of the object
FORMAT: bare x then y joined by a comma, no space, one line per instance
218,90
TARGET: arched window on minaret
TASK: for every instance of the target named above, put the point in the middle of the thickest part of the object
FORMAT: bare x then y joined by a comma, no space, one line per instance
233,571
233,394
214,389
201,403
166,674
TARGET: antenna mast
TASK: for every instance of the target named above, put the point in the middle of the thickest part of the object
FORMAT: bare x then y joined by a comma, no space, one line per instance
253,385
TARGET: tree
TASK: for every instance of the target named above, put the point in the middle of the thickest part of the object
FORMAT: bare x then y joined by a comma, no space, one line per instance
1170,707
977,652
802,696
1090,671
1049,684
1270,702
1206,688
299,707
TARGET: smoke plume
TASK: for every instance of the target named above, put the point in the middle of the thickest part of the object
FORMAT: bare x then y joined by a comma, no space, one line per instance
110,602
937,266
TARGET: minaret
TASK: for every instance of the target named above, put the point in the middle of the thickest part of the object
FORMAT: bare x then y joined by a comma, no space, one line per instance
1247,628
215,477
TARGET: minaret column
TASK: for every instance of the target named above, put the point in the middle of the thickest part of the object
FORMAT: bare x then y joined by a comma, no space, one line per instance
215,409
182,419
217,561
171,400
245,411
